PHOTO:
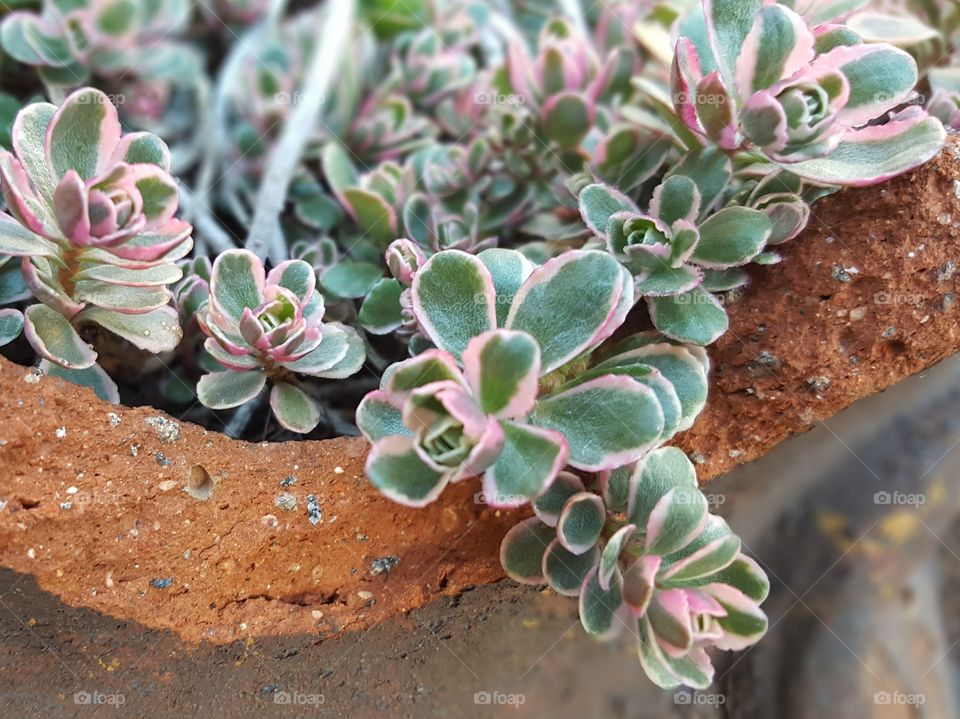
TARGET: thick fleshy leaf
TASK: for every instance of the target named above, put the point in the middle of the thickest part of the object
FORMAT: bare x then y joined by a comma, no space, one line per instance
509,270
83,134
333,347
667,281
608,421
745,575
725,280
159,192
565,571
693,670
376,218
229,360
223,390
718,551
15,239
610,556
571,304
733,236
581,522
118,298
93,377
679,366
602,611
352,360
378,417
11,324
156,331
429,366
669,615
711,169
381,312
52,337
453,300
695,316
529,460
778,45
294,409
876,154
522,550
351,279
549,504
338,169
744,623
503,368
598,203
615,487
396,469
143,148
675,520
676,198
566,118
881,77
157,275
654,476
29,136
236,283
639,582
28,38
901,30
728,24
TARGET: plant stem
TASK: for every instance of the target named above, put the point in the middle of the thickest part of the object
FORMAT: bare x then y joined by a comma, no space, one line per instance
335,31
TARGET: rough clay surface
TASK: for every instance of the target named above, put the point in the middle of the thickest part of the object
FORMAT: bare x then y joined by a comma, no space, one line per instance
107,510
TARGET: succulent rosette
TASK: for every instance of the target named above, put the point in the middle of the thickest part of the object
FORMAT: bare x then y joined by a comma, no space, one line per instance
71,39
91,212
645,555
679,252
510,391
269,327
755,75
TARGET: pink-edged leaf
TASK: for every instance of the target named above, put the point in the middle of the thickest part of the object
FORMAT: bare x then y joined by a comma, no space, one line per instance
17,240
610,557
744,623
729,23
777,46
675,520
429,366
70,207
240,363
296,276
22,201
598,203
454,300
565,571
11,324
528,462
571,304
694,670
522,550
29,133
653,477
379,416
159,192
669,615
294,409
82,134
550,503
236,283
581,522
607,422
716,111
503,370
93,377
40,277
224,390
685,76
603,612
52,337
155,331
169,243
639,582
138,148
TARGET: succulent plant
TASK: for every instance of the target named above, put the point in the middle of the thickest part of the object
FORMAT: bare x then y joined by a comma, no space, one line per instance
72,39
753,75
495,311
228,14
269,327
670,250
92,216
645,555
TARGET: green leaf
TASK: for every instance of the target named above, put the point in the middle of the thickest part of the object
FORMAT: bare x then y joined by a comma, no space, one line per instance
429,366
83,134
695,316
565,571
581,522
351,279
380,312
352,360
509,269
120,298
395,468
610,557
11,324
294,409
52,336
601,610
549,504
377,417
571,304
608,421
711,169
731,237
17,240
235,283
668,281
156,331
453,300
598,203
660,472
223,390
566,119
676,198
30,131
522,550
93,377
528,462
503,368
337,167
375,217
745,575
